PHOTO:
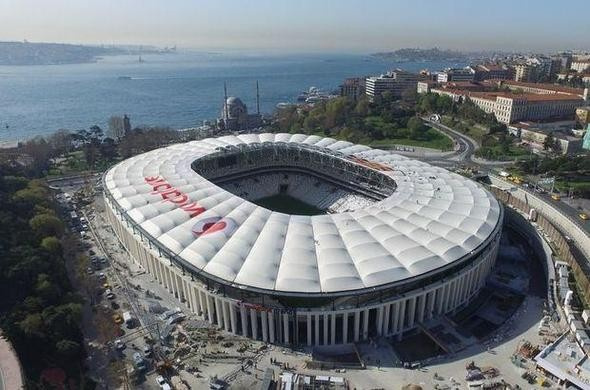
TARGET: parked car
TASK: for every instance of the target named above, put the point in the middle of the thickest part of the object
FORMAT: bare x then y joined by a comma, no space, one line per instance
120,345
138,361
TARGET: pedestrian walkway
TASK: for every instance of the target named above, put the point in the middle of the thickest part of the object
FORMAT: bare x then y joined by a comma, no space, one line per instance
10,372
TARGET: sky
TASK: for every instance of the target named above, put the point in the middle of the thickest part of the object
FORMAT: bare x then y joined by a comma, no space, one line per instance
303,25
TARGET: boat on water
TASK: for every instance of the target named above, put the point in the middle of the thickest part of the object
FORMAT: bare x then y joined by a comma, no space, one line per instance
124,78
282,105
314,95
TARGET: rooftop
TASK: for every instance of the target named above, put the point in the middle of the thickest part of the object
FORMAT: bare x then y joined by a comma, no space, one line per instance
563,359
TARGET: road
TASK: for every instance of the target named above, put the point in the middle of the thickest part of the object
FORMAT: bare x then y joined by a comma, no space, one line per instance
467,145
10,370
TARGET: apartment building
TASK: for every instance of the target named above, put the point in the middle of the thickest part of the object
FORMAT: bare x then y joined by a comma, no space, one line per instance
456,74
492,72
353,87
509,107
394,82
580,66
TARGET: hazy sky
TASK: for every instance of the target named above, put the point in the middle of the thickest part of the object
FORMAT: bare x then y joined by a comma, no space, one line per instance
303,25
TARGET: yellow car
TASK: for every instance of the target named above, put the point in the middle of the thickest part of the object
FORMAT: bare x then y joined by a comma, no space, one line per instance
106,286
118,319
584,216
555,197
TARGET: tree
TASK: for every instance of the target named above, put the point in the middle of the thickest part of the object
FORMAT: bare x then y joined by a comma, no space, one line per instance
67,348
417,128
51,244
45,225
548,142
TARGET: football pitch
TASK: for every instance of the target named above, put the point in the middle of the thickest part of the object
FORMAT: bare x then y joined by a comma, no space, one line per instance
288,205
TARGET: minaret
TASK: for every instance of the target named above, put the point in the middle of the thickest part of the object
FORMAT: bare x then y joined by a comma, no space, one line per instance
225,113
257,99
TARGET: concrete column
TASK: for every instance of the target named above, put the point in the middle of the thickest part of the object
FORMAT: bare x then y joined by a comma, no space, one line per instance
197,309
218,312
190,296
202,301
210,308
380,321
345,327
264,326
170,281
271,326
386,320
448,290
186,292
333,329
421,307
325,338
254,323
165,280
431,301
456,294
465,288
160,277
286,327
175,284
402,316
234,319
395,317
472,275
317,329
365,324
357,325
308,328
439,299
226,319
412,312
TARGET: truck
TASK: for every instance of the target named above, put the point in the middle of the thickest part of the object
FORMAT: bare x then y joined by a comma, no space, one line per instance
128,319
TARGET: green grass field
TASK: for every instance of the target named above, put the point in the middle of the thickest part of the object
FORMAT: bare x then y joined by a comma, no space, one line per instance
288,205
433,138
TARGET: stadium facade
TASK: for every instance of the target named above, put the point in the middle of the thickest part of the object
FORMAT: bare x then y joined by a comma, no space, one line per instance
395,242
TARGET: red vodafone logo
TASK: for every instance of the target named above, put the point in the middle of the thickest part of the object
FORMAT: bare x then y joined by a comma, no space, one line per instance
212,225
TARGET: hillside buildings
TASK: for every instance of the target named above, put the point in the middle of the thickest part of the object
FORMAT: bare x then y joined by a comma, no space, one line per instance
456,74
394,82
580,65
535,135
512,101
353,88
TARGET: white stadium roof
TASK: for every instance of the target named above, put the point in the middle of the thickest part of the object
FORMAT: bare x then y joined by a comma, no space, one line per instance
433,219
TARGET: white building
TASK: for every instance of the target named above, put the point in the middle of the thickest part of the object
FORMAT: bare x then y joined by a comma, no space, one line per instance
394,82
456,74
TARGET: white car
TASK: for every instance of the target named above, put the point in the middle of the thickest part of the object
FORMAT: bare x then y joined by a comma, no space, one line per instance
162,383
119,344
109,294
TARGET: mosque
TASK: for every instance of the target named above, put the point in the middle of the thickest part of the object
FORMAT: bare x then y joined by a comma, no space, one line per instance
234,114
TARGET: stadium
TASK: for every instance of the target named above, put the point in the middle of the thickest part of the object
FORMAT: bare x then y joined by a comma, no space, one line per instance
304,240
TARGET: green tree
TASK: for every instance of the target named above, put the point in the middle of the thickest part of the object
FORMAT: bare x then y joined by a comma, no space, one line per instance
548,142
67,348
45,225
51,244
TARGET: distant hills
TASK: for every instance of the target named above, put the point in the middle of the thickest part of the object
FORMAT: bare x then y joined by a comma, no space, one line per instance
28,53
416,55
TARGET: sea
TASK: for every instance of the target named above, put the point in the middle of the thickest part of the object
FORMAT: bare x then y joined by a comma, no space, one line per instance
177,90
